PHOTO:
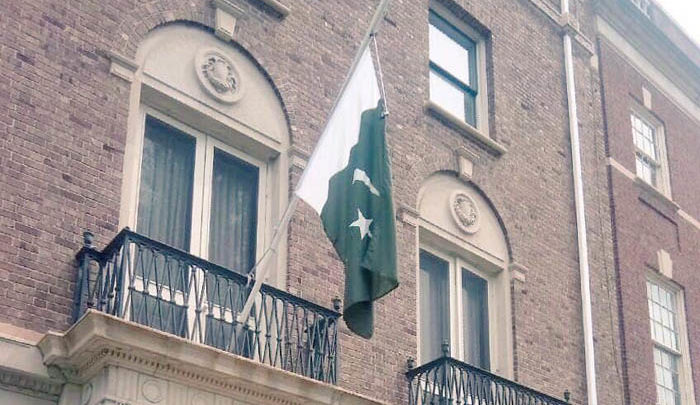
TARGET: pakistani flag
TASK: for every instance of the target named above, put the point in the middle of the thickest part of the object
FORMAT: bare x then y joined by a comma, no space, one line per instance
348,182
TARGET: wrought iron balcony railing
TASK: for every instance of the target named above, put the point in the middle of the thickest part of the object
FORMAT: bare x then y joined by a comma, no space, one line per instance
145,281
447,381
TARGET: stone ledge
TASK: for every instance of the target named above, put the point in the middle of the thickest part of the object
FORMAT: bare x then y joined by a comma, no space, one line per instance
465,129
277,6
518,271
656,199
407,215
122,66
692,221
98,341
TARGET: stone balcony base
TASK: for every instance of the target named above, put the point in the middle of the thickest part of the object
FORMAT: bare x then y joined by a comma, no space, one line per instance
106,360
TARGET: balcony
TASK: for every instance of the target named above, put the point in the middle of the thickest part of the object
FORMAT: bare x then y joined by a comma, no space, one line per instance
147,282
447,381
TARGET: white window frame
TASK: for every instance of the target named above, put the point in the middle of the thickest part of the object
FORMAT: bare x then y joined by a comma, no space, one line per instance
201,204
202,187
481,101
685,372
663,180
456,264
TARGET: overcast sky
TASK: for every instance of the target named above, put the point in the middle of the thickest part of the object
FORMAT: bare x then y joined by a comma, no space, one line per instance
686,13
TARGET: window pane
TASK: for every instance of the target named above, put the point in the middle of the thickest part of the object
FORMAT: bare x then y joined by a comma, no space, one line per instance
667,381
475,318
662,314
447,95
646,171
433,291
234,213
164,214
644,137
165,193
449,54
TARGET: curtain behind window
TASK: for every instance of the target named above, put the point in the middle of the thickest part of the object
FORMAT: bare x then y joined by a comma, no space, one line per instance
234,213
165,194
164,214
434,306
232,242
475,315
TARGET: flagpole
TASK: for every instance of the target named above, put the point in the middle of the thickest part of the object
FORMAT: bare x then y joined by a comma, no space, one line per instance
287,216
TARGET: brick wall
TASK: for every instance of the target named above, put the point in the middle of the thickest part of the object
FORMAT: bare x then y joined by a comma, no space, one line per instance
643,226
63,120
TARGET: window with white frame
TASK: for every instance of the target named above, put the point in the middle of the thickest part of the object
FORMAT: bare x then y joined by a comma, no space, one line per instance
192,184
650,152
202,174
667,334
199,195
453,307
454,70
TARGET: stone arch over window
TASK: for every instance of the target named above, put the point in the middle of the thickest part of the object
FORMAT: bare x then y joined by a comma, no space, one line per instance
463,278
189,85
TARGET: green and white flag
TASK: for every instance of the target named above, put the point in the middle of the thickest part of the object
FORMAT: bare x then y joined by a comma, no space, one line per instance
348,182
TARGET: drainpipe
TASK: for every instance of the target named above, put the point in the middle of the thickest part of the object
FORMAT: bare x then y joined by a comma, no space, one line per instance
580,214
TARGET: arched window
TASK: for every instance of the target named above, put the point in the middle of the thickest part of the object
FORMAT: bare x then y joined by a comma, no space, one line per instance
205,163
463,282
205,172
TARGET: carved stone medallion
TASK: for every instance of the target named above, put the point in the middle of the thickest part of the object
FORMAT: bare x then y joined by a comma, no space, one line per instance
218,75
152,391
464,212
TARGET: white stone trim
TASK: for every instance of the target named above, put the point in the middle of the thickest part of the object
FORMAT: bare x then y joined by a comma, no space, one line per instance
297,158
648,70
646,97
22,370
225,18
98,346
121,66
408,215
518,271
277,6
689,218
29,385
465,163
467,130
665,263
621,169
642,184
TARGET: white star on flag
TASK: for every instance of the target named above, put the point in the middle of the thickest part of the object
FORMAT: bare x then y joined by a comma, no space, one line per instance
363,224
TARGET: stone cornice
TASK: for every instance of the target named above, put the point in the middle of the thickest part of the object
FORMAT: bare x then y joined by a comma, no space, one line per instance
650,41
99,340
13,380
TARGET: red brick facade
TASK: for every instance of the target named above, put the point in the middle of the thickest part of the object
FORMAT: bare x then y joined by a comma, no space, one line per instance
63,124
644,222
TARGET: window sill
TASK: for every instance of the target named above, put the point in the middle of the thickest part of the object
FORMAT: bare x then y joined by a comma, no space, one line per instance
655,198
277,6
465,129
